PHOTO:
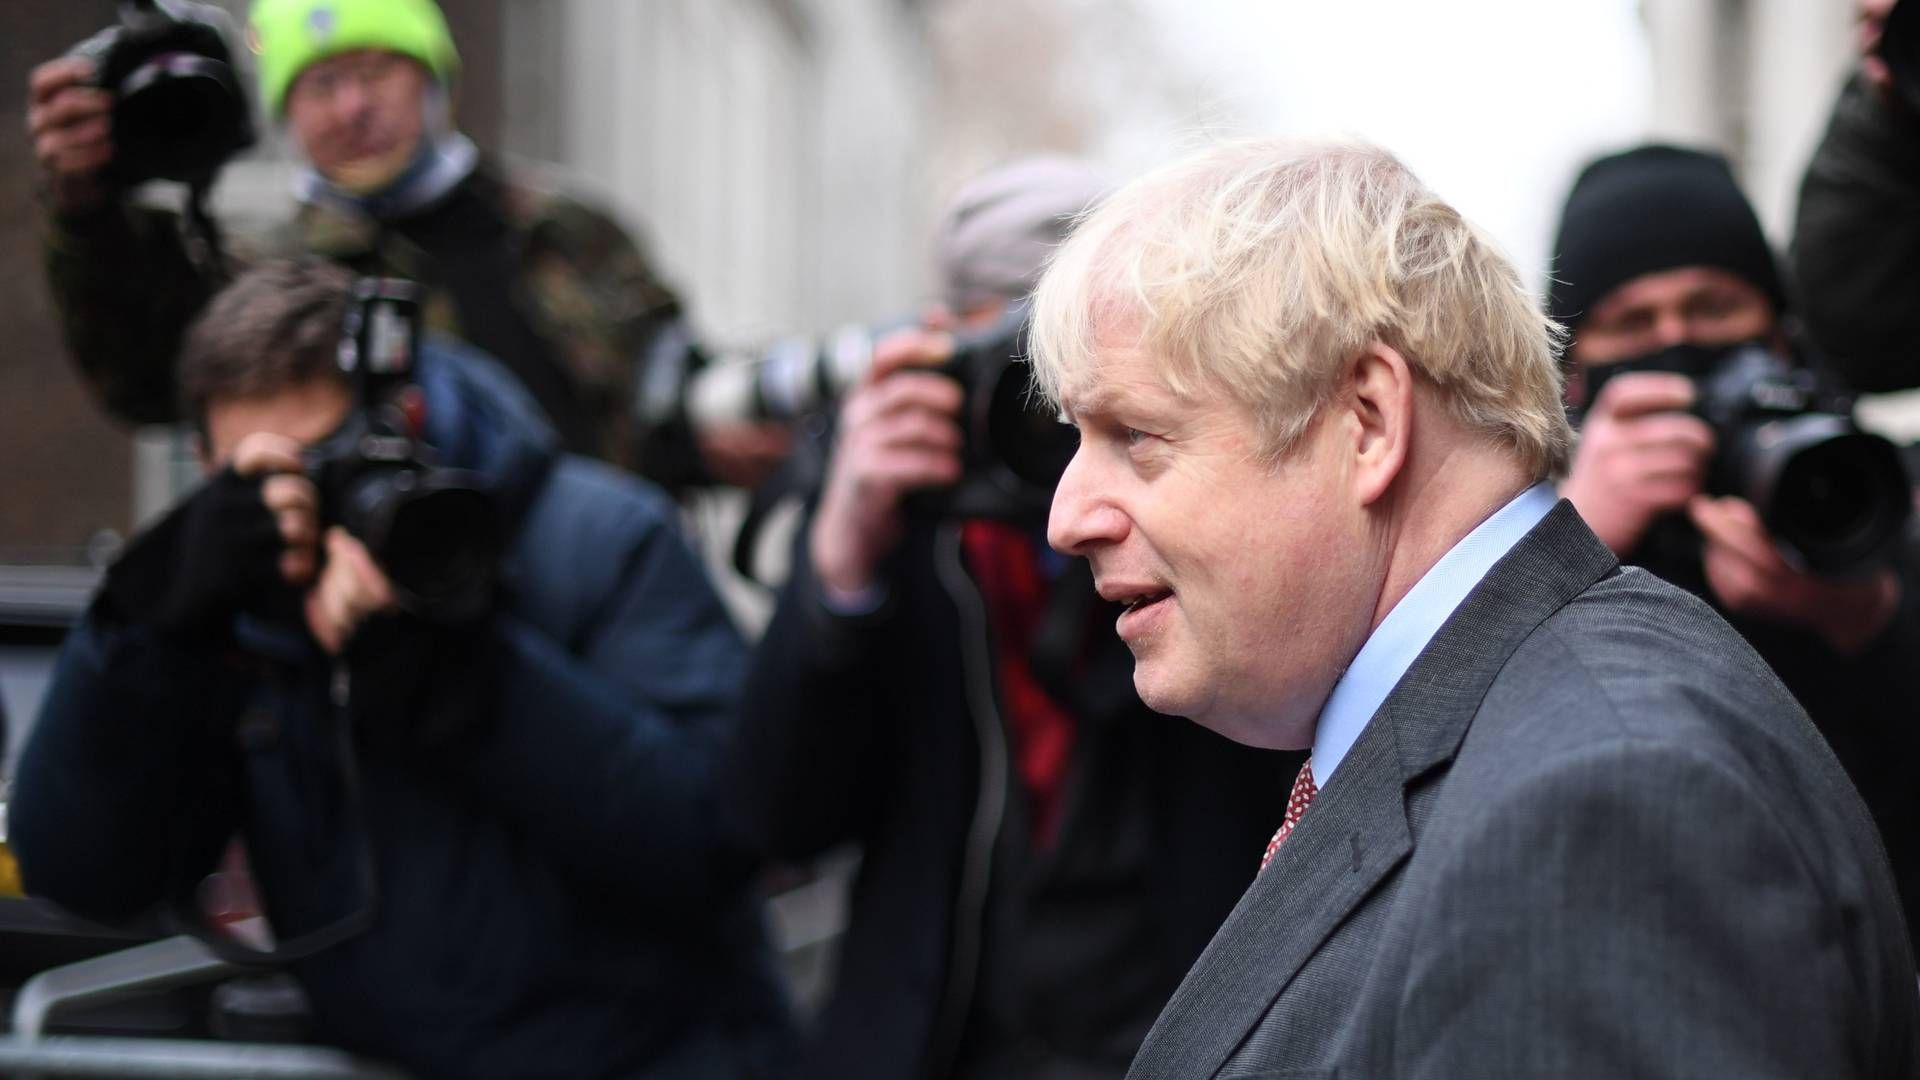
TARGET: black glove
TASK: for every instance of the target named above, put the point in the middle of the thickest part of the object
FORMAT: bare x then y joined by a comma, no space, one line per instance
211,557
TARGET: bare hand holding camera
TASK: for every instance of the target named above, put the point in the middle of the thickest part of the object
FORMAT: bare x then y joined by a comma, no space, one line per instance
899,431
347,586
70,122
1748,574
1639,456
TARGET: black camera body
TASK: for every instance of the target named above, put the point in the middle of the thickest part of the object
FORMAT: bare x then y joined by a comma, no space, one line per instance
1014,446
1835,498
180,109
433,530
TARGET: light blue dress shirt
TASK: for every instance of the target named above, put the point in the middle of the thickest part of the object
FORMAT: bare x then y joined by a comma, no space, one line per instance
1405,632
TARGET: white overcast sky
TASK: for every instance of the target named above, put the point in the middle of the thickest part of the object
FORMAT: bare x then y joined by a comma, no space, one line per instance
1495,103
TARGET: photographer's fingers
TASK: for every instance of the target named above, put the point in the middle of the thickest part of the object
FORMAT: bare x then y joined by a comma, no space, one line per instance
910,347
1681,432
914,391
75,115
88,158
295,507
298,520
70,124
350,590
1640,393
47,80
298,566
910,468
1733,524
921,428
1871,17
366,588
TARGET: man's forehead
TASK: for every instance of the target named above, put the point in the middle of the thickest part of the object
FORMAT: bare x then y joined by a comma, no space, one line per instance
1661,286
1116,384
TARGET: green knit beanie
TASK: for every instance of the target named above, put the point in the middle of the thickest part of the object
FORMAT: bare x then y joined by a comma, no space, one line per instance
288,35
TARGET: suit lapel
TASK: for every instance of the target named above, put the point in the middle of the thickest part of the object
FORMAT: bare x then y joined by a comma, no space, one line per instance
1354,834
1357,829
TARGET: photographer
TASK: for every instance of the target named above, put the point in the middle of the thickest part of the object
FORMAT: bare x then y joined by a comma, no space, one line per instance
1660,264
1856,240
364,89
494,830
1042,858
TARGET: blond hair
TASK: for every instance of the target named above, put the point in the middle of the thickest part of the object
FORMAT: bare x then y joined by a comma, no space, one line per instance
1258,268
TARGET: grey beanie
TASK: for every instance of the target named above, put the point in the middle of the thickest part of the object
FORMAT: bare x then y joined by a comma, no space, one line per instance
996,234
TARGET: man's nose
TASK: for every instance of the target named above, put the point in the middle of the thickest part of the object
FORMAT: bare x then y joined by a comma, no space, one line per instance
351,99
1083,517
1671,328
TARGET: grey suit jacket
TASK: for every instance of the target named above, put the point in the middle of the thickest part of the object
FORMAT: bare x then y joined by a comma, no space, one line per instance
1588,834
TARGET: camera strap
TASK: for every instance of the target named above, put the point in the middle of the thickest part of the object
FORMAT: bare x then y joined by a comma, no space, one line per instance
204,244
185,915
800,475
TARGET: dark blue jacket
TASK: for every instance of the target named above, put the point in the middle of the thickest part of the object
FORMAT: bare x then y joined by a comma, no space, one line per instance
548,894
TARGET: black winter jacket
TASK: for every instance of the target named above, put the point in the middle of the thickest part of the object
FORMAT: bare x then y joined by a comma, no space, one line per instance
1856,243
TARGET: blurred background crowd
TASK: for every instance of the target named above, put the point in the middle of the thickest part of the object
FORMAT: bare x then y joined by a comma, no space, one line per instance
719,210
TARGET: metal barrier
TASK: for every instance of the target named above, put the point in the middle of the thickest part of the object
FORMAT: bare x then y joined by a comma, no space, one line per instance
158,965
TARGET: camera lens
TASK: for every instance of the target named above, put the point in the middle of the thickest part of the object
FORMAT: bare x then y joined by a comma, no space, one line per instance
1026,432
440,547
177,117
1840,501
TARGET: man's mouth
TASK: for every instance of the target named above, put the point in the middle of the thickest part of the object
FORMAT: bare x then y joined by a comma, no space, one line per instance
1145,600
1133,596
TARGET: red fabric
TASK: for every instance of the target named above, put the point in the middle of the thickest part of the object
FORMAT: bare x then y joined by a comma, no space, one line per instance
1007,569
1304,789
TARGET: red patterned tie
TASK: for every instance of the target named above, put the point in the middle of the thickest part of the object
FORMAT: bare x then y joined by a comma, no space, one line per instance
1304,790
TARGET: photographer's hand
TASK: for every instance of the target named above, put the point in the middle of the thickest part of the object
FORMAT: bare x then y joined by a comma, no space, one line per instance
1749,577
1638,456
1871,19
350,587
231,546
70,121
898,432
289,497
350,590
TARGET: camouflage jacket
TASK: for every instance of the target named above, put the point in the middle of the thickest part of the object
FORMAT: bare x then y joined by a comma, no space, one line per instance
126,289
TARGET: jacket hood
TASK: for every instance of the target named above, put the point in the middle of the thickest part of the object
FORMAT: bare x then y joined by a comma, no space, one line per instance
479,418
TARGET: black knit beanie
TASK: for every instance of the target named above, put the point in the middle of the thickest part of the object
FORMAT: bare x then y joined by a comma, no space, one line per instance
1650,209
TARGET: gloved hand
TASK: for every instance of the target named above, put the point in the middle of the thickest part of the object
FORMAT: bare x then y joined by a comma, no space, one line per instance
214,555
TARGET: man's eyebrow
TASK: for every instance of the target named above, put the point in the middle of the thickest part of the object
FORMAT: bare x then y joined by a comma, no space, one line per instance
1096,400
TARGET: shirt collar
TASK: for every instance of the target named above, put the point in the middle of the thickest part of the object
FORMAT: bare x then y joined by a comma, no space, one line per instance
1404,633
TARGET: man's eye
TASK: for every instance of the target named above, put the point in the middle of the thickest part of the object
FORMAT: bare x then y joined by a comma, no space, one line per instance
1135,436
1715,306
1632,322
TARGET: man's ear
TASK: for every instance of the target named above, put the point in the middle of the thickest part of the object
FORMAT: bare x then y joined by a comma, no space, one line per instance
1381,398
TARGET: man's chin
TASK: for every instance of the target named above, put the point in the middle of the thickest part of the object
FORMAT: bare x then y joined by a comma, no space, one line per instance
1161,694
364,176
1247,726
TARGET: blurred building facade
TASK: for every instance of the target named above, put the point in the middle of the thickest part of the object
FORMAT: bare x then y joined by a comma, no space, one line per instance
1756,79
1752,78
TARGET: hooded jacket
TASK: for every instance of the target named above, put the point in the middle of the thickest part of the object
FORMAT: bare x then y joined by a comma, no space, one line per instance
517,820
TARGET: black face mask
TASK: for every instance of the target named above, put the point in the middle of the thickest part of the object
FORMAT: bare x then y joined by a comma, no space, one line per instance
1696,362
